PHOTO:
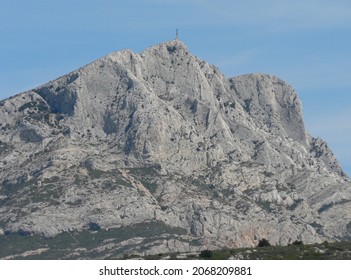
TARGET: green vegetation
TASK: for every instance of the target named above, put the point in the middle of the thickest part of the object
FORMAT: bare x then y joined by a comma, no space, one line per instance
51,180
83,244
87,244
39,111
330,205
146,176
36,110
119,180
51,194
265,205
34,105
263,243
11,188
206,254
295,251
144,171
152,187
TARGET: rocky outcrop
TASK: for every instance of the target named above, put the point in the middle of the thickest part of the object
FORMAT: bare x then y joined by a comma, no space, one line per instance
162,138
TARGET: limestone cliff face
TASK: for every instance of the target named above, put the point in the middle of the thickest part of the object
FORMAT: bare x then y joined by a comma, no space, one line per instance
162,137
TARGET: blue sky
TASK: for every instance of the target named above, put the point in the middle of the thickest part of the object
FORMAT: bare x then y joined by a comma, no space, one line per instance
306,43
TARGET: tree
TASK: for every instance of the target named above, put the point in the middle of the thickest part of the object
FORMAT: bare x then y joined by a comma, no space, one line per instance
206,254
263,243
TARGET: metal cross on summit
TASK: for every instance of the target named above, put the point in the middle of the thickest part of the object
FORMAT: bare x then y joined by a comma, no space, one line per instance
177,37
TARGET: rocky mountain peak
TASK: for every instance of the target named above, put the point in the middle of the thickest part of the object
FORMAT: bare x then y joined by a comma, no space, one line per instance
163,140
177,47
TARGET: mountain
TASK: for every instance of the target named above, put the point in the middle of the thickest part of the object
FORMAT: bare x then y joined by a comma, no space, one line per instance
159,152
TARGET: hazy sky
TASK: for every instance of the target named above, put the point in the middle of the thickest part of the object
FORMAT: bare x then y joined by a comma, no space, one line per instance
306,43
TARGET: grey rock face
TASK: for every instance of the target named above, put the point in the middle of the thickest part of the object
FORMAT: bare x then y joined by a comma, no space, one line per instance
163,138
30,135
272,104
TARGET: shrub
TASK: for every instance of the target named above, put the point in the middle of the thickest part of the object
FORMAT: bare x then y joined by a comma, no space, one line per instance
263,243
94,226
296,242
206,254
22,232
